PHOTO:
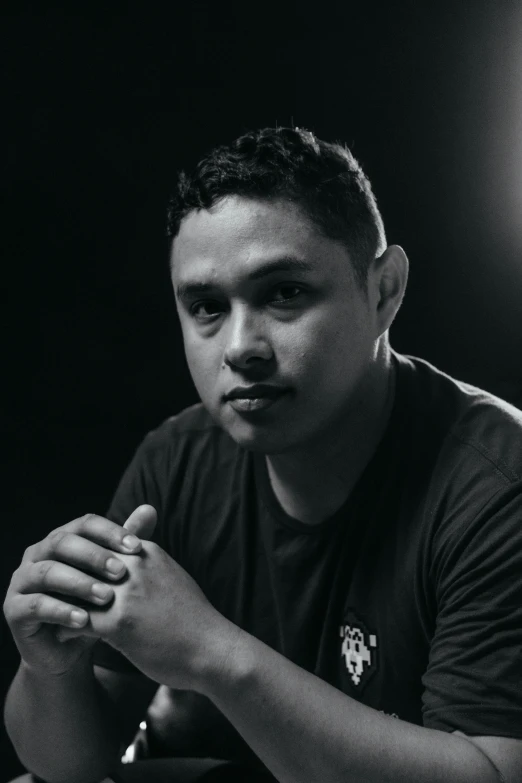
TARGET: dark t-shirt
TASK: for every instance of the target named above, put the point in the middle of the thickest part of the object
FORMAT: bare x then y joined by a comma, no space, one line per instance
408,599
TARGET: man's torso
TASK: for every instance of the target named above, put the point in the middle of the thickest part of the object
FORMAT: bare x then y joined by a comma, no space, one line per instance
355,600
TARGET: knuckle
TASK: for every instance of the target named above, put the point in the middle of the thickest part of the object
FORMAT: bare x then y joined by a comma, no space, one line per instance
45,572
16,583
18,578
7,607
34,605
60,611
86,519
55,538
74,524
29,552
94,557
17,575
10,614
78,584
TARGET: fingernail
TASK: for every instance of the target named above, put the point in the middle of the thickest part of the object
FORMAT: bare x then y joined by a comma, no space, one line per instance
78,617
101,591
130,542
114,566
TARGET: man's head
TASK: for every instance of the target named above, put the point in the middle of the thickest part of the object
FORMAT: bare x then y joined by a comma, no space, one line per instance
324,180
282,278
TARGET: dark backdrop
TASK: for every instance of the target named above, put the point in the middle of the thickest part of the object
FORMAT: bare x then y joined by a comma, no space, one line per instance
99,111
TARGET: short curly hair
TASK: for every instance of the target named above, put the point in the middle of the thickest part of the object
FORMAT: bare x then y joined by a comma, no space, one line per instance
321,178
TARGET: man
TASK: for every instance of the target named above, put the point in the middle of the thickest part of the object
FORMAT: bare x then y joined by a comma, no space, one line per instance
333,589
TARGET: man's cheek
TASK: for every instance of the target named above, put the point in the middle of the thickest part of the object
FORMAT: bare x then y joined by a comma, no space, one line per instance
206,386
197,364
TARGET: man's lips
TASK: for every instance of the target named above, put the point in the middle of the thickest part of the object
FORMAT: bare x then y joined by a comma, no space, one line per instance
250,399
255,392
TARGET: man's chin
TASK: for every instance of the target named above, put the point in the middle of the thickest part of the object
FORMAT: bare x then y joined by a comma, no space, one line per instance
261,440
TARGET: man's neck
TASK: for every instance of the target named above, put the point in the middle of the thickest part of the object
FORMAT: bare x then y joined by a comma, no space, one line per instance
313,483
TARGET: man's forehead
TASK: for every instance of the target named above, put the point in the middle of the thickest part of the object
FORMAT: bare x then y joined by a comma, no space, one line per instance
236,221
242,235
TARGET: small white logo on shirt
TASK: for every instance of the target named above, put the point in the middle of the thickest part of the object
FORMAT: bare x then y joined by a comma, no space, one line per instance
357,650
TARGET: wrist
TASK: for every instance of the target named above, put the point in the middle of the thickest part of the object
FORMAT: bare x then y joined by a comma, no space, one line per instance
224,661
81,669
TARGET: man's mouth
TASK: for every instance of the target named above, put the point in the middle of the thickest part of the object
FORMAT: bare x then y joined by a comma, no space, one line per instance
248,399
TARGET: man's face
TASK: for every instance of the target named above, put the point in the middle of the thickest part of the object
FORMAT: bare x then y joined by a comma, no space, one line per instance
263,298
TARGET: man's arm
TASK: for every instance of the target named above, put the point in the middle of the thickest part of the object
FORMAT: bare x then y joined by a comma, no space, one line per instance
64,724
305,730
63,728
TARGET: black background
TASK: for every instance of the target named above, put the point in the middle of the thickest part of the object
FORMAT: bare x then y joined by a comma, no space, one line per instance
102,106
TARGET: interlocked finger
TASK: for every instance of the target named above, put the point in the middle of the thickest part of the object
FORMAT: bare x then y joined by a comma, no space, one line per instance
51,576
68,547
27,612
100,532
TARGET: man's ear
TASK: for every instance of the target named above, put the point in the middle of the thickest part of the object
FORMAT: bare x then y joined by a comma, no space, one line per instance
387,280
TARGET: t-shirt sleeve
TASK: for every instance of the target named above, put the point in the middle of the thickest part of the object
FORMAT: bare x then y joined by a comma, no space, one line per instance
140,483
473,682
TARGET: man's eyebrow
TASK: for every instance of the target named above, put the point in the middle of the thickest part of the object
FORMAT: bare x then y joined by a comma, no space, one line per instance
282,264
191,289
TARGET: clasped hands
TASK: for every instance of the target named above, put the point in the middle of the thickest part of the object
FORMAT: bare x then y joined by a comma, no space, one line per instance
153,612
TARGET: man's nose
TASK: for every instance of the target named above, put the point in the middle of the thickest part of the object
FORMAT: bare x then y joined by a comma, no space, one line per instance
247,342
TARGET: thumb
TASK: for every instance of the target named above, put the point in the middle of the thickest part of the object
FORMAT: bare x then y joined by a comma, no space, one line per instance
142,522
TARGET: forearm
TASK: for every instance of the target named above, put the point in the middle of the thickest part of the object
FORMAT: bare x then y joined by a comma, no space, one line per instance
63,729
305,730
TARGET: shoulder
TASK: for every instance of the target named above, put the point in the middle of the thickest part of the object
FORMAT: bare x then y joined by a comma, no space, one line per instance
463,468
469,426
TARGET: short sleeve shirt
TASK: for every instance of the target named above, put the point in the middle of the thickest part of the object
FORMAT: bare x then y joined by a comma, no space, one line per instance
408,599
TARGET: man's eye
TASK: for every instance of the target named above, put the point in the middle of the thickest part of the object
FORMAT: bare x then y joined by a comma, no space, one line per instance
205,310
284,293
